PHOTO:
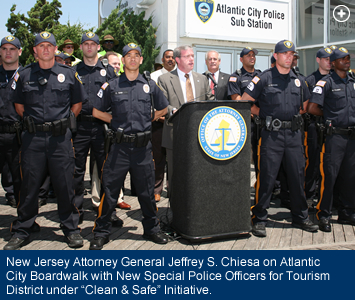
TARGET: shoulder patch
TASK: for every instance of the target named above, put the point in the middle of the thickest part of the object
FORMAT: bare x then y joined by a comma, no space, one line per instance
105,85
78,77
256,79
250,86
321,83
233,79
318,90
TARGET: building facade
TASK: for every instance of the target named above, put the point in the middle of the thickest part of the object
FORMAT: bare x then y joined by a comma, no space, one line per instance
230,25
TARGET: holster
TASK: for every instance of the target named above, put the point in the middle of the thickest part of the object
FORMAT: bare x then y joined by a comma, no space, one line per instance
257,122
29,124
18,128
143,139
320,134
297,122
108,139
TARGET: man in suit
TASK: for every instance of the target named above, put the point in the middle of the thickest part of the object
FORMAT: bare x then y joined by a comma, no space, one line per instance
213,60
181,86
159,152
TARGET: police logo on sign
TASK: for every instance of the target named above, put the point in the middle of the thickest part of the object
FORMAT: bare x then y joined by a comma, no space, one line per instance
222,133
204,9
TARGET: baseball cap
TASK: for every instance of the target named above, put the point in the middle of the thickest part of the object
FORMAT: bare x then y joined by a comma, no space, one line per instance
10,39
284,46
45,36
90,36
129,47
339,53
272,60
324,52
246,50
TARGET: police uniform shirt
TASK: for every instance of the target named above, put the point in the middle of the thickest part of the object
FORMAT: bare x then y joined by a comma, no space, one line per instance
238,83
337,99
8,114
313,79
279,95
93,77
51,101
130,102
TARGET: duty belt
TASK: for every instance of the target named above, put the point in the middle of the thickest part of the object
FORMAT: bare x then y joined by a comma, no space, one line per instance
6,128
140,139
49,126
350,131
276,124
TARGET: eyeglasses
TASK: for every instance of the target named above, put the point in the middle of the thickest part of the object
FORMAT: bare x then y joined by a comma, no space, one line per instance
108,42
188,56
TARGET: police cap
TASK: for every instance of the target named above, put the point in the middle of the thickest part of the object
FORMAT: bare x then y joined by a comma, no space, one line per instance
284,46
60,54
45,36
129,47
10,39
339,53
246,50
324,52
90,36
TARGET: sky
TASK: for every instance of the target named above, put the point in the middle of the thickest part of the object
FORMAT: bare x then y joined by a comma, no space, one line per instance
85,11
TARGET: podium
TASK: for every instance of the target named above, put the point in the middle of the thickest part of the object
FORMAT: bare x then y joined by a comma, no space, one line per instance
210,197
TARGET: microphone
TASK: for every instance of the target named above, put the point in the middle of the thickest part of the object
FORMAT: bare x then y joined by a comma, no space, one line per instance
146,75
296,70
210,76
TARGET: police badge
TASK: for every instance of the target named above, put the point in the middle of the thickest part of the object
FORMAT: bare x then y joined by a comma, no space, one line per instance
204,9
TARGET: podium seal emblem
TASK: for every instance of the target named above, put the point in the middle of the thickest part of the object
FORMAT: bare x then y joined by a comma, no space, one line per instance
222,133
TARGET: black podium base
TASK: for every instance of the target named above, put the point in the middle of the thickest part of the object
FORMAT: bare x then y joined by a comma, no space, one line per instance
210,198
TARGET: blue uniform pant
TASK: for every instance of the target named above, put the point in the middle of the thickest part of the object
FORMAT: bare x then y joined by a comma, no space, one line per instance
138,162
337,166
9,153
42,152
275,147
89,136
312,163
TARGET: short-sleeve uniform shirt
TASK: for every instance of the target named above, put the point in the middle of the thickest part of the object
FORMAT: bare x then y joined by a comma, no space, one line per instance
50,101
130,102
93,77
337,98
279,95
8,113
237,84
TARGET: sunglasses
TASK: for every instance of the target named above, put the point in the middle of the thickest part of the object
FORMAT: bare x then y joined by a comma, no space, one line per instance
108,42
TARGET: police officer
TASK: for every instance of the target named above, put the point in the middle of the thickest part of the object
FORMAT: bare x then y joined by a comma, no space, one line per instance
10,131
237,84
333,97
129,96
45,94
312,148
90,131
278,91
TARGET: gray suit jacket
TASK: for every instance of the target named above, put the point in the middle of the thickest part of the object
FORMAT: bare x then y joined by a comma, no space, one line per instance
170,84
222,87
